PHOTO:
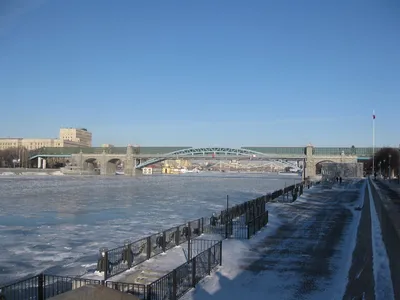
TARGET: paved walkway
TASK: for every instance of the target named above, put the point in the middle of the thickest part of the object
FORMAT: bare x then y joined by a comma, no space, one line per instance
308,257
391,190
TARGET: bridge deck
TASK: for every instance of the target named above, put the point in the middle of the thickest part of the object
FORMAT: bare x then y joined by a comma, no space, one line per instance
323,151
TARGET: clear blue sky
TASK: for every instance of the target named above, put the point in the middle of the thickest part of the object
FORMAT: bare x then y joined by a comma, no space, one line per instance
202,73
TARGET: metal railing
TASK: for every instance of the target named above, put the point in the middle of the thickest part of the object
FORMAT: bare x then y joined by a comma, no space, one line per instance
174,284
256,224
42,286
120,259
170,286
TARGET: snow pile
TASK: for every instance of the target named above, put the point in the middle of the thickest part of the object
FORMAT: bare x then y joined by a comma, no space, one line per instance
382,275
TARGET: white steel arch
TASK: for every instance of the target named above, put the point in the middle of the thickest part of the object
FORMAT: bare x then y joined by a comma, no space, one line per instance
192,152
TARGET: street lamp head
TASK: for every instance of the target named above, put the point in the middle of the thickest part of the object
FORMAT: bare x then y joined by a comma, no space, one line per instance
103,252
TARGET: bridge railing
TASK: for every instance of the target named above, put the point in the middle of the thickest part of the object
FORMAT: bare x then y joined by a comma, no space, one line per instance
77,150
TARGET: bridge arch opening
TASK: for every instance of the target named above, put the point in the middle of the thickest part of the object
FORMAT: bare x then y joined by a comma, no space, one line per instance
318,166
90,164
114,165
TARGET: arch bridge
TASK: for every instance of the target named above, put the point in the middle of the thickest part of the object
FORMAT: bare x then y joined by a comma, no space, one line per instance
218,153
108,161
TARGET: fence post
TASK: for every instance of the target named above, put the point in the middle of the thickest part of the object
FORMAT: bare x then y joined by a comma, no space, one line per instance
199,225
164,241
209,261
227,218
256,225
174,285
106,267
220,253
189,248
40,289
202,225
230,228
149,292
248,230
254,220
129,254
283,192
226,228
177,234
194,272
148,247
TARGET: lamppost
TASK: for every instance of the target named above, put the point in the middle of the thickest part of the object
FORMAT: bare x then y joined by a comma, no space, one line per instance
390,173
398,167
398,173
384,168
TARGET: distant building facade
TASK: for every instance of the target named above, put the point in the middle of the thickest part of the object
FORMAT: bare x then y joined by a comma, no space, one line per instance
77,135
69,137
107,146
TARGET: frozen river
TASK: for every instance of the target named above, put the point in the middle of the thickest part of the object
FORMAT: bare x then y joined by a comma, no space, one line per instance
57,223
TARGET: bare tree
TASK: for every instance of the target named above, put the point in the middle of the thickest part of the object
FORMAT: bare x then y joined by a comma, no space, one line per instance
14,157
385,158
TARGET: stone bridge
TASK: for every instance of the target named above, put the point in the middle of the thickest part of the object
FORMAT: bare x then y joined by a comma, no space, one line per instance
107,163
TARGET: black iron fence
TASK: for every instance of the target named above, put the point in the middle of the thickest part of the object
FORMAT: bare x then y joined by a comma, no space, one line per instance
197,246
120,259
170,286
174,284
256,224
241,221
42,286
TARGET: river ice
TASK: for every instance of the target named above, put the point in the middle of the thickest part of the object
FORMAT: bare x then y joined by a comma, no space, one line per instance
57,224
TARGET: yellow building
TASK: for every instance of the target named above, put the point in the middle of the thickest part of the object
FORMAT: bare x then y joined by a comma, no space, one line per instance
69,137
77,135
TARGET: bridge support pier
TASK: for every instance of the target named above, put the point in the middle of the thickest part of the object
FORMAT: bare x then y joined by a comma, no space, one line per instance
129,166
309,164
103,163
